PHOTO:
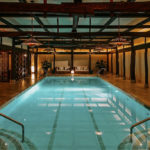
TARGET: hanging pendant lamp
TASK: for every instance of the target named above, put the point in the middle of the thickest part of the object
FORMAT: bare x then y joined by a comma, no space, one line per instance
119,40
32,42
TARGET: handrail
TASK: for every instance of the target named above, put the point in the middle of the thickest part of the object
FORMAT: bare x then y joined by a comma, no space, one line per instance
16,123
136,124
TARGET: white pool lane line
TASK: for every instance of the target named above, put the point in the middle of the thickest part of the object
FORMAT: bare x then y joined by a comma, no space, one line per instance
52,136
98,132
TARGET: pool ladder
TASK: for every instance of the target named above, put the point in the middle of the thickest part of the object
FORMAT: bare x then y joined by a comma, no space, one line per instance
136,124
16,123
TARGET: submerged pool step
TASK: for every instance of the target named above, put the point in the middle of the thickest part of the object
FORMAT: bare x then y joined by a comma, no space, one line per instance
141,141
10,140
3,145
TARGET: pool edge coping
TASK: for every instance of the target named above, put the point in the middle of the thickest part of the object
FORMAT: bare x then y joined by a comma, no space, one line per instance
128,94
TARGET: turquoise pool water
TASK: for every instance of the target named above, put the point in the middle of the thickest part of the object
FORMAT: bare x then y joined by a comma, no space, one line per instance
84,114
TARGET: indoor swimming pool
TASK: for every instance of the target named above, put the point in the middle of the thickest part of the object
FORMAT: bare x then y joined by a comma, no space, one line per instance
80,113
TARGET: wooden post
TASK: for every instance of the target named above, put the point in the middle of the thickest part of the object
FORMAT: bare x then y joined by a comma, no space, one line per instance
54,61
132,67
117,63
146,66
124,64
13,62
1,40
107,61
72,65
29,61
112,63
89,60
36,61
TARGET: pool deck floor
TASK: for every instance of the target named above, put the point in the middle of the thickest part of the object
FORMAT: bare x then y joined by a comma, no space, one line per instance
137,90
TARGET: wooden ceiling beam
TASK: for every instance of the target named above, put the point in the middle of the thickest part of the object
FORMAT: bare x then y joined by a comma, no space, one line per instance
75,18
40,23
139,24
70,46
75,23
131,0
79,26
36,17
48,38
71,8
75,53
75,35
22,1
107,23
96,15
74,42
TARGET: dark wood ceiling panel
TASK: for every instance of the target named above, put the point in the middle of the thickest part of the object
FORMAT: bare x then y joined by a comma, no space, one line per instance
68,8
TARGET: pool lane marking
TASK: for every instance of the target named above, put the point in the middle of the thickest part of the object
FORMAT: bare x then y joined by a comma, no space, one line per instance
100,140
52,136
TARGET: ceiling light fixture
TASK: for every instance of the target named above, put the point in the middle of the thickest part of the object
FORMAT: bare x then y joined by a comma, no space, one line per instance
119,40
32,42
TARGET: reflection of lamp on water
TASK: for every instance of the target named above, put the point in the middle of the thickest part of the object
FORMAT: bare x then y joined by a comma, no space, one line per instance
72,74
32,69
33,76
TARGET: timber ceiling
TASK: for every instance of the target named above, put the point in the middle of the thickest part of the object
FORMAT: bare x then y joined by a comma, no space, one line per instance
74,24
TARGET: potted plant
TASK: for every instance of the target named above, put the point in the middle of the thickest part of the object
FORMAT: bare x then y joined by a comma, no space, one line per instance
45,66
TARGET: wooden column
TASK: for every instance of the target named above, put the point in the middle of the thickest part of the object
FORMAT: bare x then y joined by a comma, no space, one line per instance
132,67
107,61
72,60
36,61
13,62
21,64
146,66
112,63
29,61
54,61
1,40
117,63
124,64
89,60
